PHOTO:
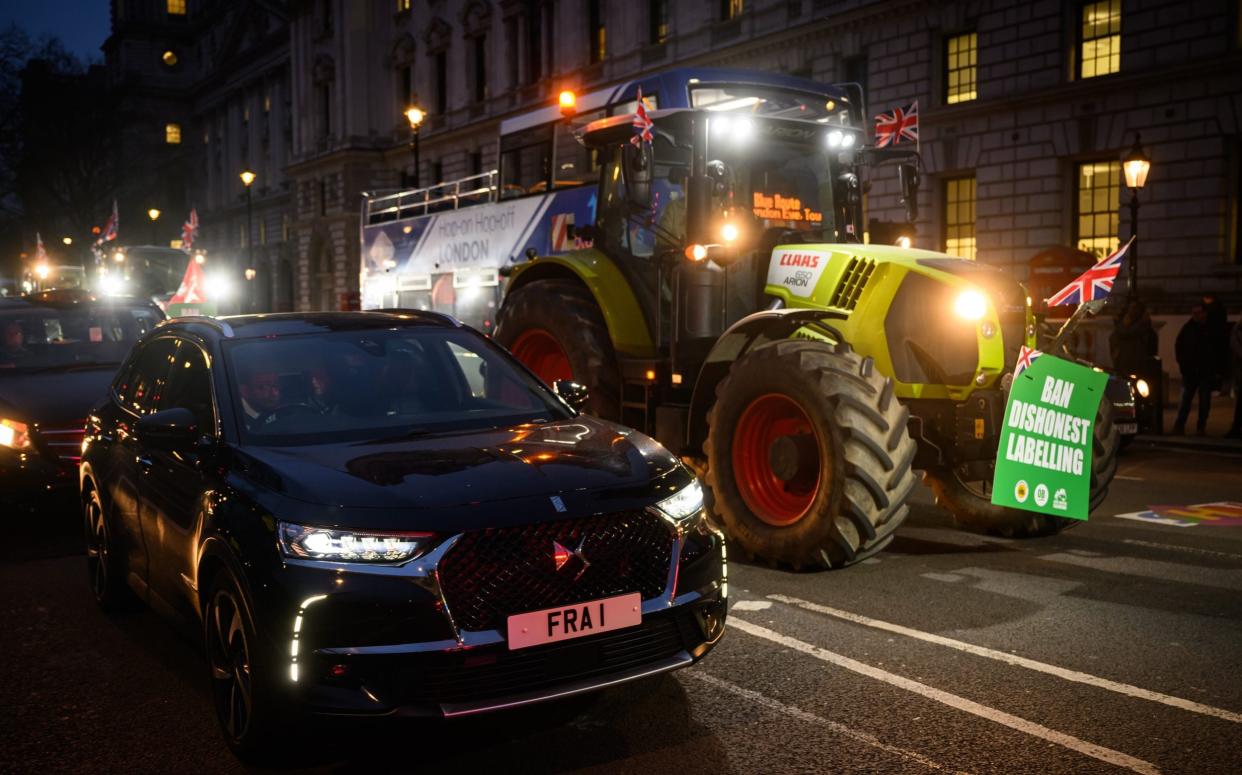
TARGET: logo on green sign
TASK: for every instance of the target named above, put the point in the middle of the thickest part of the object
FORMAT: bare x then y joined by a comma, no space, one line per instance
1044,460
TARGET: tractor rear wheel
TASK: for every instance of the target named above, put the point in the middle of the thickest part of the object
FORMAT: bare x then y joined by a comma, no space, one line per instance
808,455
556,329
970,502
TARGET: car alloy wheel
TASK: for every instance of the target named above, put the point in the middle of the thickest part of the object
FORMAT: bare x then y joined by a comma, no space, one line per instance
228,650
97,548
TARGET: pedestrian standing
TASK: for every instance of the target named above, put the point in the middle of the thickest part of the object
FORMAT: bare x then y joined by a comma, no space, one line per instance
1235,347
1218,340
1197,363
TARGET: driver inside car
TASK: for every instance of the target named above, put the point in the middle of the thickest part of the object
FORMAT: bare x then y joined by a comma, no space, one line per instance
261,396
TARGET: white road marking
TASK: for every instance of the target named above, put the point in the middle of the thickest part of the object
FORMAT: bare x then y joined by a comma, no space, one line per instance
1175,547
1154,569
1107,755
948,578
751,605
1013,659
802,715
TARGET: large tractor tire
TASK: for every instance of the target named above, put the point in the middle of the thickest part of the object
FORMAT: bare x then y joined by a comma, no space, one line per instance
808,455
971,506
556,329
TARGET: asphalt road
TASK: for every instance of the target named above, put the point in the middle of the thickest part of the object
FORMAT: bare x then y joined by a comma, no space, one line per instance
1115,646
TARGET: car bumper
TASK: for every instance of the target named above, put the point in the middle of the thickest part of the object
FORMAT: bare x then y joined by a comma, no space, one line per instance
353,640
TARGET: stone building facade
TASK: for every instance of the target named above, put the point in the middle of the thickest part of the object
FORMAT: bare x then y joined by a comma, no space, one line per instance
1026,109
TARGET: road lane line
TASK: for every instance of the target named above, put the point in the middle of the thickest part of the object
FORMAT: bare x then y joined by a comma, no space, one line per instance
802,715
1108,755
1175,547
1013,659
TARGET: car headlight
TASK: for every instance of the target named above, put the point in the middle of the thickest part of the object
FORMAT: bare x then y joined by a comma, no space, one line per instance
316,543
14,434
1142,388
970,305
684,504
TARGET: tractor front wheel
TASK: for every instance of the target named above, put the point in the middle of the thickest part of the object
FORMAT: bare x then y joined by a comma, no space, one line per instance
808,455
970,502
556,329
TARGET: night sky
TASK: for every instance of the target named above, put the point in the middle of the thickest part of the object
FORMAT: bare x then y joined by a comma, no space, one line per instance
81,24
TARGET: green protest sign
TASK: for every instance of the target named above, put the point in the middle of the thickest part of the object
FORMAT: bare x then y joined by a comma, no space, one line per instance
1044,460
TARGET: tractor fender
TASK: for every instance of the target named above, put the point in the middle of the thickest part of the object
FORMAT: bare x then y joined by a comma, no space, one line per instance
754,330
627,326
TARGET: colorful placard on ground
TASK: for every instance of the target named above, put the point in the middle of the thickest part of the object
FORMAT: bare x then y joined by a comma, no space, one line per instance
1219,514
1043,463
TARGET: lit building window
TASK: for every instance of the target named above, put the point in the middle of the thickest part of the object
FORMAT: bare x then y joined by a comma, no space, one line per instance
172,134
658,20
960,62
169,58
1098,201
959,217
1101,39
176,7
731,9
598,32
404,5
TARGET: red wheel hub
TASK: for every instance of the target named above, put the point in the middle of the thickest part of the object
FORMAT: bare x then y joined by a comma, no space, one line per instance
776,459
542,354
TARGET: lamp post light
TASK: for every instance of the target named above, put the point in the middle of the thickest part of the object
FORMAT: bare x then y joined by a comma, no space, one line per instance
67,240
415,116
154,215
1135,166
248,178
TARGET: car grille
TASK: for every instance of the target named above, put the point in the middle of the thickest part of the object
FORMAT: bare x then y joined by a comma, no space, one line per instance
490,574
64,440
468,677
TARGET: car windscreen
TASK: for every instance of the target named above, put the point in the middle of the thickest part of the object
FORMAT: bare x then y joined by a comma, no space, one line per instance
34,338
370,384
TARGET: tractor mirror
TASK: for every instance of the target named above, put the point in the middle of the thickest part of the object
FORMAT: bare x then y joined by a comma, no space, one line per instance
908,175
572,393
638,164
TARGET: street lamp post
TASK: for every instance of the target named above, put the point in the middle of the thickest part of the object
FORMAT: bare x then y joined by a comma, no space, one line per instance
247,178
1135,166
154,215
415,116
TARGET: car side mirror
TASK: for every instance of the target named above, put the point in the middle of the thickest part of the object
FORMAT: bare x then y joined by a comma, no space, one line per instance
170,429
572,393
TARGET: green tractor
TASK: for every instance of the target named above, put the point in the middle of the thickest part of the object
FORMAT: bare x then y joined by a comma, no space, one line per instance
724,305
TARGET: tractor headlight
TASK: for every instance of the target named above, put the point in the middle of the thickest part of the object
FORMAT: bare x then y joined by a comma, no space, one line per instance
14,434
684,504
1142,388
315,543
970,305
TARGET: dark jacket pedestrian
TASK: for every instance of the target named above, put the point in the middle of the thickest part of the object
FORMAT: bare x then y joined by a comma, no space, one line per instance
1133,342
1218,340
1197,362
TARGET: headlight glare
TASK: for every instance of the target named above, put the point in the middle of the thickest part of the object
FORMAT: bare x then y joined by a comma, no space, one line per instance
684,504
330,545
970,305
1142,388
14,434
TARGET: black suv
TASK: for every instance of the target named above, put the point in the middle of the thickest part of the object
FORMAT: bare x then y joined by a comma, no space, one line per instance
384,512
58,352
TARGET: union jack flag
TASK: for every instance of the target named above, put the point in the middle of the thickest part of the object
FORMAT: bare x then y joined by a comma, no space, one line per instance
109,229
899,125
40,252
189,230
643,125
1026,356
1095,283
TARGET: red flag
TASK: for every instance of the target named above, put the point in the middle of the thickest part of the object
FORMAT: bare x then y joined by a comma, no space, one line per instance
40,253
191,289
189,230
110,228
902,124
643,125
1095,283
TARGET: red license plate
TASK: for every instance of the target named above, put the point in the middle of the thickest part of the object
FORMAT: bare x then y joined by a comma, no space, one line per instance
550,625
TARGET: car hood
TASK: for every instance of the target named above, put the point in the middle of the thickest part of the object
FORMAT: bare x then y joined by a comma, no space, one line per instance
442,471
53,397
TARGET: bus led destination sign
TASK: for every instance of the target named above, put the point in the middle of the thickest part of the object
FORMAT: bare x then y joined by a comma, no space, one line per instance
777,207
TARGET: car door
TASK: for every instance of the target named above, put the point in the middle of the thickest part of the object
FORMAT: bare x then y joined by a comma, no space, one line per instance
174,482
136,392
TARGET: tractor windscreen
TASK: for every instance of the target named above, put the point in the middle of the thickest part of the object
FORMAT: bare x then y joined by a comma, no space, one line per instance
778,176
762,100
